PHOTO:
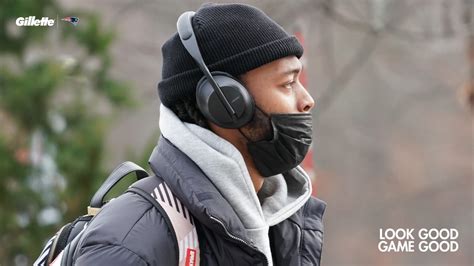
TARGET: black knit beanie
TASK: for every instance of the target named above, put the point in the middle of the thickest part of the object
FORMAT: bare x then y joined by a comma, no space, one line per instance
233,38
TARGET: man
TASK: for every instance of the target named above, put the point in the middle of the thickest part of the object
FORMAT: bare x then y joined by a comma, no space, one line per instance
250,202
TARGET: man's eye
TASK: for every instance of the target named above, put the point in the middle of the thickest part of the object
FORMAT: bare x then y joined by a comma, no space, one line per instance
289,85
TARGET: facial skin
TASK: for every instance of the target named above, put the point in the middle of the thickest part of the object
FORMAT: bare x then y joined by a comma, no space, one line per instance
275,88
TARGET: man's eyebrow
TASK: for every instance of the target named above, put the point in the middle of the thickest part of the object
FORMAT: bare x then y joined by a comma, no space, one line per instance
293,70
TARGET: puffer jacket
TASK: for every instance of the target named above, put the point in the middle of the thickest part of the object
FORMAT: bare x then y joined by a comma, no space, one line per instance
130,231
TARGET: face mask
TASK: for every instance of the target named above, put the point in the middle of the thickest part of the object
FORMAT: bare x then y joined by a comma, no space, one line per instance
290,142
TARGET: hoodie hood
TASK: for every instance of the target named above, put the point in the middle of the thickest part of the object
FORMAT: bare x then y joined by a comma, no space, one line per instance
279,198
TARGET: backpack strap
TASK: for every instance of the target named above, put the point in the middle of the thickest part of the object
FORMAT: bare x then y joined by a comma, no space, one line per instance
117,174
65,253
176,215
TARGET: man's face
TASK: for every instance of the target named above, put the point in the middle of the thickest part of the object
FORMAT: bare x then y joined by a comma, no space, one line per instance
275,88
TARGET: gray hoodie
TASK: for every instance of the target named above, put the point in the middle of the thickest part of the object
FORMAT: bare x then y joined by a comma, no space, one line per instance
279,198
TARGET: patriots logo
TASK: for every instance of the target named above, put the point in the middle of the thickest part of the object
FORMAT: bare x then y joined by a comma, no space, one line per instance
73,20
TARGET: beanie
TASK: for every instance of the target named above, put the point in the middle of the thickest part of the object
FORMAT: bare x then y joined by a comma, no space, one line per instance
233,38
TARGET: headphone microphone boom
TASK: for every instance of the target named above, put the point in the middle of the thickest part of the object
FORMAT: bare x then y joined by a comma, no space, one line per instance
220,97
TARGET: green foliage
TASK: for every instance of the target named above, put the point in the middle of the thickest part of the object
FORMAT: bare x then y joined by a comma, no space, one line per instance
26,96
52,133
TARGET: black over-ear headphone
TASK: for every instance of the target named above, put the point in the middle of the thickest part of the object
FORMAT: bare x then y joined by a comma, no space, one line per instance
220,97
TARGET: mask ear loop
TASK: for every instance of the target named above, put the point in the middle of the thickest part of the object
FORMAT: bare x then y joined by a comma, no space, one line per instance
264,113
242,133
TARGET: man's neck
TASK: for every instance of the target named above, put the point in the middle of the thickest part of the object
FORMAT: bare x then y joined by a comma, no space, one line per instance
257,178
241,144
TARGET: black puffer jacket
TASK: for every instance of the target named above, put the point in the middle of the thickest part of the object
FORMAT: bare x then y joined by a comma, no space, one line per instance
130,231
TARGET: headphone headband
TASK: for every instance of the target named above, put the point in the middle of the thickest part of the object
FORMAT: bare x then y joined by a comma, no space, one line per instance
188,38
186,34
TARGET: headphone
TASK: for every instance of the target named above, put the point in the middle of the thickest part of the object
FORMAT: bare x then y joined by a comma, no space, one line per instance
220,97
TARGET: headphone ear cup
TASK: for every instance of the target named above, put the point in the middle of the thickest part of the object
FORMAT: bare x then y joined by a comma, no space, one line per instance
214,110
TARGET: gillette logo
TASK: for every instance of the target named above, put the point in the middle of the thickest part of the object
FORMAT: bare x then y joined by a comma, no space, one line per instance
32,21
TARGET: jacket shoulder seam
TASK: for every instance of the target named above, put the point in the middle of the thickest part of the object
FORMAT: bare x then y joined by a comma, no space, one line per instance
133,226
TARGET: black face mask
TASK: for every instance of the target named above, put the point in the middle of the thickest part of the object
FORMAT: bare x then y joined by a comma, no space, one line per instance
287,148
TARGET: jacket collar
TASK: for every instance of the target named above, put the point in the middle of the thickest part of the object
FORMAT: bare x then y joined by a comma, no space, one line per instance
194,189
207,205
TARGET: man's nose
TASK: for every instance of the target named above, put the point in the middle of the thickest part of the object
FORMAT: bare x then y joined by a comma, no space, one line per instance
306,102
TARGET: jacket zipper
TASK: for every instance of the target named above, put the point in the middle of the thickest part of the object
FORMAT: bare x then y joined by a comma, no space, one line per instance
237,238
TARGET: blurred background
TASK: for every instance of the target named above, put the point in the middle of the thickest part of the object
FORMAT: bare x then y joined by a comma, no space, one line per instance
393,82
